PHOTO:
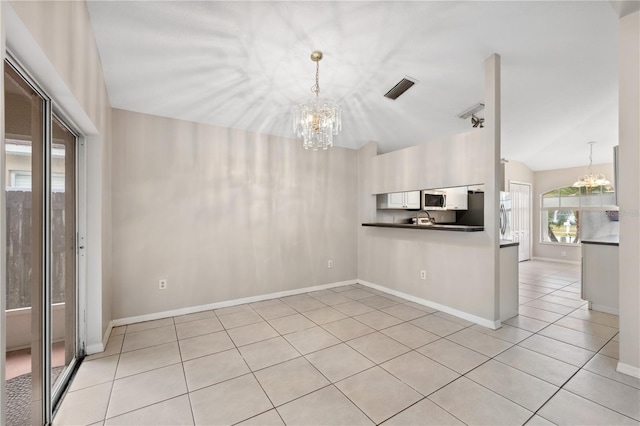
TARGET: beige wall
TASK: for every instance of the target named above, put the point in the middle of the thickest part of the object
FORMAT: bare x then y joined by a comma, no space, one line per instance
629,195
515,171
224,214
54,41
552,179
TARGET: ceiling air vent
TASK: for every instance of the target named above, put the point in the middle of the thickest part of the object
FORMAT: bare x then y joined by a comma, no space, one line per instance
397,90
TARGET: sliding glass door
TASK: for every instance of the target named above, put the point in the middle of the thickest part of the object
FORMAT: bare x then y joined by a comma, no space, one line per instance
63,256
25,133
41,312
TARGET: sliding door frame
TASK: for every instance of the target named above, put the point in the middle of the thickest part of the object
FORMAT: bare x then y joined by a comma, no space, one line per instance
57,391
51,397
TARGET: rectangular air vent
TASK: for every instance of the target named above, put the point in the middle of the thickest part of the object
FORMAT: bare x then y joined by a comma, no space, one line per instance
397,90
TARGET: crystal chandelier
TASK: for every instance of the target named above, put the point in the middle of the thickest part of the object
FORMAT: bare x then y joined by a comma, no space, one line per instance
590,180
317,120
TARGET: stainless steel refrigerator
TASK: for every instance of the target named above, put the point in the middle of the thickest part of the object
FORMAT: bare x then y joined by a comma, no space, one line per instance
505,216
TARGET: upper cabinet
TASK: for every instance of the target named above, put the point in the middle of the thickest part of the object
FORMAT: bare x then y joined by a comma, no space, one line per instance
400,200
457,198
412,199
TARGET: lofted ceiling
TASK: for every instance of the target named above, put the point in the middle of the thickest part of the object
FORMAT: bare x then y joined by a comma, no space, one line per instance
245,64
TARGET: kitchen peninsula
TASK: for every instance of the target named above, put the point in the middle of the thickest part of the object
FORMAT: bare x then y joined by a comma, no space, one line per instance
600,274
434,227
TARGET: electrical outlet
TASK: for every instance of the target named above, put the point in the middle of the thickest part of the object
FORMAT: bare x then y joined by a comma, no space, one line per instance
162,284
423,275
330,264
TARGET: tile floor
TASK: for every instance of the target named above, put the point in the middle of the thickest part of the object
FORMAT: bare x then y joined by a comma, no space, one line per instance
354,355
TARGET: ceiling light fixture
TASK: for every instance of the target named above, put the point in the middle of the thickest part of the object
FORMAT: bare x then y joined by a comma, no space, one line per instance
590,180
317,120
477,122
471,111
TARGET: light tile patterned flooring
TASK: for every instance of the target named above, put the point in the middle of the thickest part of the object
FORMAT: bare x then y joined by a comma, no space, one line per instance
353,355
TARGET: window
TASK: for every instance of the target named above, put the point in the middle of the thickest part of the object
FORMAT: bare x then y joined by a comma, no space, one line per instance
18,160
569,214
21,181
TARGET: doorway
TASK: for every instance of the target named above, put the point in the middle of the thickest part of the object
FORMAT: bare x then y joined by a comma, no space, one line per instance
42,338
521,217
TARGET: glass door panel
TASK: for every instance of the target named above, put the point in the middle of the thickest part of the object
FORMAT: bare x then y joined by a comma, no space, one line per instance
24,124
63,255
41,274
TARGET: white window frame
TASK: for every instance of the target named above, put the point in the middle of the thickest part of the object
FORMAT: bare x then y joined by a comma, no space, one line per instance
13,174
579,208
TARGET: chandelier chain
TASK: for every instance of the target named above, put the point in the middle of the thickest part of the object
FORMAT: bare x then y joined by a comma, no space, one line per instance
316,87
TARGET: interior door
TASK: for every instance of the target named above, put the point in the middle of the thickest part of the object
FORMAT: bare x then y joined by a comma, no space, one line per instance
521,218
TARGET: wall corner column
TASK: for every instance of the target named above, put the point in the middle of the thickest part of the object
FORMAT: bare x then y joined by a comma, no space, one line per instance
629,193
3,238
492,130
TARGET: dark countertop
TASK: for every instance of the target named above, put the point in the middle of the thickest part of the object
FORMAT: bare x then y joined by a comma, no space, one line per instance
436,227
611,240
508,243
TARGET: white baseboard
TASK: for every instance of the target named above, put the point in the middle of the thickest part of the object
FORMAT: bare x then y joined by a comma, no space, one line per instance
96,348
551,259
629,370
225,304
91,349
494,325
605,309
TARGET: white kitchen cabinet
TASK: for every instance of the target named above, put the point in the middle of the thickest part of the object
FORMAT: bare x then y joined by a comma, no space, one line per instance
509,292
399,200
457,198
412,199
600,276
396,200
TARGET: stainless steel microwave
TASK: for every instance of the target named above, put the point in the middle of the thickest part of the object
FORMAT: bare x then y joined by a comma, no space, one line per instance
434,200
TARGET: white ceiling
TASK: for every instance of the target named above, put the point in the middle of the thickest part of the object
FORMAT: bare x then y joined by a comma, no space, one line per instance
244,64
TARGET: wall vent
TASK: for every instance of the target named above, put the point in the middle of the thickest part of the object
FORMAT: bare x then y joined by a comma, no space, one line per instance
397,90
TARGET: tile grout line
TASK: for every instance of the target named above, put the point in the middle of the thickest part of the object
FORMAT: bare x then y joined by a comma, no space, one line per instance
330,383
579,368
403,321
142,372
184,372
253,375
113,382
